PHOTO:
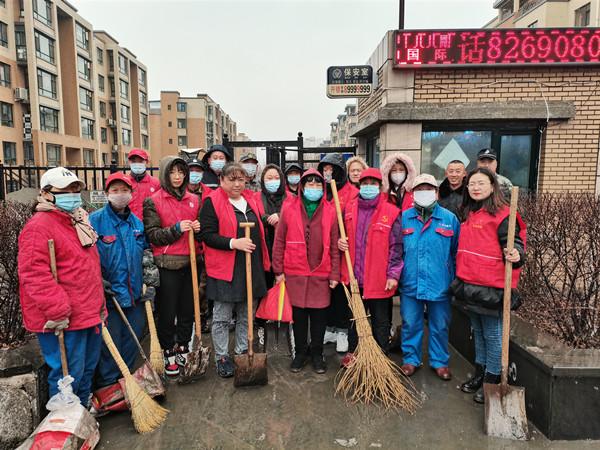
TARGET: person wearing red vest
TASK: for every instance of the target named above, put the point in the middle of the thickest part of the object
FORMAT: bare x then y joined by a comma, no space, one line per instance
169,215
374,231
399,173
225,248
143,184
305,255
479,284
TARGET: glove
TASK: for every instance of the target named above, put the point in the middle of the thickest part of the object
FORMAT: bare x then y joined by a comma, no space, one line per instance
57,325
148,294
108,292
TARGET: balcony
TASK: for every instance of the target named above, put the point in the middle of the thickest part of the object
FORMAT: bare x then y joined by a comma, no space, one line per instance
527,6
21,55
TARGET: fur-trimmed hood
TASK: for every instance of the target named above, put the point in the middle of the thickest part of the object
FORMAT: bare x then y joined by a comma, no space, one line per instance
357,159
388,163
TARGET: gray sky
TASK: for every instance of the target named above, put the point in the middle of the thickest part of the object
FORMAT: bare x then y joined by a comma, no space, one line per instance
265,62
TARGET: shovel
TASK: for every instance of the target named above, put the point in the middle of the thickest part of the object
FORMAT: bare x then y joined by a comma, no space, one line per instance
198,357
251,368
505,415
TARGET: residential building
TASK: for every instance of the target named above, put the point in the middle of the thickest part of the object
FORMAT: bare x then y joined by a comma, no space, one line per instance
545,13
340,135
69,95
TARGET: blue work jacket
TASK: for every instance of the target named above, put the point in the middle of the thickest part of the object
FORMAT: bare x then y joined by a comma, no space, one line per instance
429,254
121,246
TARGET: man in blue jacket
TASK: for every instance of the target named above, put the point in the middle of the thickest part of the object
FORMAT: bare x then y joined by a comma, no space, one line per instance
430,240
121,245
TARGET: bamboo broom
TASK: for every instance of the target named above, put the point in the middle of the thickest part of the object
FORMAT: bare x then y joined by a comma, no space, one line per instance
156,354
147,415
372,377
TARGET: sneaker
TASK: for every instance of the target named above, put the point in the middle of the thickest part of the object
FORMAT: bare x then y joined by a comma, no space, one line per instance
182,352
318,363
225,367
330,337
342,342
171,366
347,360
298,363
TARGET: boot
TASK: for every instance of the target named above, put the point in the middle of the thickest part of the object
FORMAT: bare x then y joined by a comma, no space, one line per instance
475,382
487,378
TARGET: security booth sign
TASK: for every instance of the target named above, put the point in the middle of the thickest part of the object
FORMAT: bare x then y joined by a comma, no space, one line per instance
349,81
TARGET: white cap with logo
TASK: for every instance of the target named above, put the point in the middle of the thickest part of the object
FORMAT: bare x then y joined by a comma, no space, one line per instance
60,177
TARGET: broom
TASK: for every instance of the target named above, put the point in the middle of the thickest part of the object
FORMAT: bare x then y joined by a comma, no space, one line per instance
147,415
156,353
371,378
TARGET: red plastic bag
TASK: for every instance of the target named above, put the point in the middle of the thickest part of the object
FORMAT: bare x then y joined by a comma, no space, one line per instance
276,305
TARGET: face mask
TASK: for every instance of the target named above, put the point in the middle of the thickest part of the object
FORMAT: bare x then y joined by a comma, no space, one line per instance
119,201
137,168
425,198
250,169
313,194
369,191
327,177
293,179
196,177
68,201
272,185
217,165
398,178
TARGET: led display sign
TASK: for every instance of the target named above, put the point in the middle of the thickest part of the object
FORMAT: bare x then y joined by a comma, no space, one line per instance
489,47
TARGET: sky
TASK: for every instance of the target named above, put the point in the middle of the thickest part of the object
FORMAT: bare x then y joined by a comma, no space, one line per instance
265,62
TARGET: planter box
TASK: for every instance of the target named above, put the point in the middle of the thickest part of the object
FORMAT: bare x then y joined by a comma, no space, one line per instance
562,385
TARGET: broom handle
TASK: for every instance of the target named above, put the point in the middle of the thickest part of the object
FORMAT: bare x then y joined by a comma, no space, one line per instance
194,268
61,334
338,210
247,226
129,327
510,244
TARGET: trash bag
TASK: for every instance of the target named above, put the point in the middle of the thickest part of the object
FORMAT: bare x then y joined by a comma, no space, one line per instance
276,305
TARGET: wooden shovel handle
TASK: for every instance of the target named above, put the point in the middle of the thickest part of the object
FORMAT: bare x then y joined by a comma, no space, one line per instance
338,210
194,267
246,226
61,334
510,244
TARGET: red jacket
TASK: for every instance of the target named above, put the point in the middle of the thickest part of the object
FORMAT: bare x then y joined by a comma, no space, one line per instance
377,246
480,260
345,194
295,260
220,263
78,294
141,191
170,210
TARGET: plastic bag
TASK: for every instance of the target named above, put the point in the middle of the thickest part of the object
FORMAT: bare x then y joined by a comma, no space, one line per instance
276,305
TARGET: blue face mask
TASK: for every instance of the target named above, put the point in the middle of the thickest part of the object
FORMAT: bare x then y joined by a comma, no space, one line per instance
137,168
272,185
68,201
196,177
217,165
293,179
313,194
369,191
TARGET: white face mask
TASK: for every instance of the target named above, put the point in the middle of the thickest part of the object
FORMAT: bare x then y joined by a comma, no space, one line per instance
398,178
425,198
119,201
250,169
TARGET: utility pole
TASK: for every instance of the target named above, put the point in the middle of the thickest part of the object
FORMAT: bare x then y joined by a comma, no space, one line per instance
401,15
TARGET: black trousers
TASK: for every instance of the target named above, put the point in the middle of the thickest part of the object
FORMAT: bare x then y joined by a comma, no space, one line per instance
338,313
316,320
381,321
175,307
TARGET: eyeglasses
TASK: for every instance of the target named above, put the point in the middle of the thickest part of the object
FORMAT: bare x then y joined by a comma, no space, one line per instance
478,184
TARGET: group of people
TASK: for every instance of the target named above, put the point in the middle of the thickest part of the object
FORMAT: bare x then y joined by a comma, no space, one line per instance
406,236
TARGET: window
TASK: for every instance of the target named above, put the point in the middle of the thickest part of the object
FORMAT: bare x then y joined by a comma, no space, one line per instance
4,75
111,83
144,141
86,99
209,113
88,157
125,116
142,76
82,36
100,55
181,123
104,135
122,64
3,3
582,16
181,107
170,124
87,128
169,107
44,47
10,153
170,141
101,83
84,68
42,11
46,83
113,110
102,109
48,119
105,159
143,99
126,135
28,153
53,155
144,121
6,114
124,89
3,34
111,60
182,141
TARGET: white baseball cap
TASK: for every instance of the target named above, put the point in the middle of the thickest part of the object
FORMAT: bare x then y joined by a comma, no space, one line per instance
60,177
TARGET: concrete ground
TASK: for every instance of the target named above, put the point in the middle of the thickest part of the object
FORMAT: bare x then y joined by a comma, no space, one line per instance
299,411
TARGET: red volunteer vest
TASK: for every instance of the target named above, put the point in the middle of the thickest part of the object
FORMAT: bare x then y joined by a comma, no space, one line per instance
170,210
345,194
480,259
147,187
219,263
295,260
378,246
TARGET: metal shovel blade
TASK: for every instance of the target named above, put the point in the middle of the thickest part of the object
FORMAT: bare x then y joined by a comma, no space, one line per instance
250,370
196,364
505,415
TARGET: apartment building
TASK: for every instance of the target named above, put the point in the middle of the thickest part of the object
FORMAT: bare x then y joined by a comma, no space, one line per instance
340,135
178,122
69,95
545,13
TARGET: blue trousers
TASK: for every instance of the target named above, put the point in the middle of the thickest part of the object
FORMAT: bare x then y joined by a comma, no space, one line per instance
107,372
487,331
438,314
83,351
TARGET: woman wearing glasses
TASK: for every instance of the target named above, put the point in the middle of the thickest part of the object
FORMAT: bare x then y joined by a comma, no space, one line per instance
479,286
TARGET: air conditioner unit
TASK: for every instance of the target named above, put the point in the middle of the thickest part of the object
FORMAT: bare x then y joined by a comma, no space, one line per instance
115,148
112,123
21,95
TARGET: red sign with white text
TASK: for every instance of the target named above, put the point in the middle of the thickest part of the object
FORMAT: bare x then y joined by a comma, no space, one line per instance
489,47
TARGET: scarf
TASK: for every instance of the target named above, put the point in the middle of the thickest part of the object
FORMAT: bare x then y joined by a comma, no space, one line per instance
79,219
310,206
425,212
